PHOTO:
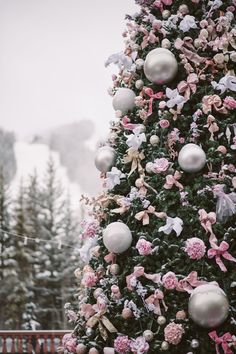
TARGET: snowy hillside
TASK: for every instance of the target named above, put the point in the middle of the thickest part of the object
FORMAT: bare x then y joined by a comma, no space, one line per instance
34,157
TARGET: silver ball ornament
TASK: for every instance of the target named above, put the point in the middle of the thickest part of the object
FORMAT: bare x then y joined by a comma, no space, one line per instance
195,343
165,43
208,306
114,269
148,335
183,9
139,64
105,158
161,320
89,331
165,346
166,14
148,167
160,66
192,158
154,140
117,237
124,100
139,84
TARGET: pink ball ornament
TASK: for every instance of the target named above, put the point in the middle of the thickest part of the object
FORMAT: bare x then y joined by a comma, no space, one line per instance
127,313
93,351
81,349
222,149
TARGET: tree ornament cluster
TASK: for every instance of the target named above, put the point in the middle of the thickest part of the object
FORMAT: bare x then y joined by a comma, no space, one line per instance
160,241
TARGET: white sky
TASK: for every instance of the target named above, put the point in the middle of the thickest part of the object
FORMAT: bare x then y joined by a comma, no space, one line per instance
52,55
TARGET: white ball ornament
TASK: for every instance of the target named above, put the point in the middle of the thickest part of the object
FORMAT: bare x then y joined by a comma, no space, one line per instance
124,100
160,66
105,158
139,64
139,84
148,335
165,346
208,306
154,140
192,158
81,349
166,14
165,43
117,237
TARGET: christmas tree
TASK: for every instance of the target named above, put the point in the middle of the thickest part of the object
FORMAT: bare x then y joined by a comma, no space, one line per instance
161,277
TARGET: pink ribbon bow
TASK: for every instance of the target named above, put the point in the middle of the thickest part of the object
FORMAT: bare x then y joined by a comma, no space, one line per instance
172,180
155,301
207,220
159,4
110,258
218,251
144,215
223,341
186,47
127,125
148,91
213,101
138,272
191,281
212,126
188,86
149,37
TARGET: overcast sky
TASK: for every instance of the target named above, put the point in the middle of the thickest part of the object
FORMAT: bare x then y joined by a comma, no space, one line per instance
52,55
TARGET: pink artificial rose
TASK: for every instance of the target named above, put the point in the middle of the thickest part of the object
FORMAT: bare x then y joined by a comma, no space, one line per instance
122,344
164,123
162,104
89,279
87,311
195,248
160,165
173,333
144,247
139,345
229,102
69,343
169,280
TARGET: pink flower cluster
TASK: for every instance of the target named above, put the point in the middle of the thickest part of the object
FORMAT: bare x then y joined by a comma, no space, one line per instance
89,279
195,248
229,102
160,165
173,333
144,247
122,344
139,345
169,281
69,343
90,228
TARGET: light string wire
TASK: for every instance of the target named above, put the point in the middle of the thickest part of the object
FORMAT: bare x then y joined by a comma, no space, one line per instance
38,240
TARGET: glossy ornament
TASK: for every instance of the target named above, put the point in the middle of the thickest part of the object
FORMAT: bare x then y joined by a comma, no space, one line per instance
81,349
127,313
139,84
114,269
154,140
165,43
148,335
139,64
124,100
208,306
165,346
105,158
192,158
93,351
195,343
160,66
117,237
161,320
166,14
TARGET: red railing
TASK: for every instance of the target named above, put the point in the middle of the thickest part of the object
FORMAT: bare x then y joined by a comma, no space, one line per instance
30,342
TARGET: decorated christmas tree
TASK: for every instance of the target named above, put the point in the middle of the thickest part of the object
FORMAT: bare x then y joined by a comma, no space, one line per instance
161,241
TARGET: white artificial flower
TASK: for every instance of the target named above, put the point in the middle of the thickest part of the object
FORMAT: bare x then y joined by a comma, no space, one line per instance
175,224
228,82
187,23
86,250
136,139
113,178
175,99
124,62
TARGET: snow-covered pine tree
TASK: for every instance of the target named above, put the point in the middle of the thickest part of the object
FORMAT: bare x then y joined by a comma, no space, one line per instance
162,277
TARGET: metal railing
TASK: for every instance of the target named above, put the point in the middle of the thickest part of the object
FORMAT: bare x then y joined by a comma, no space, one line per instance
30,342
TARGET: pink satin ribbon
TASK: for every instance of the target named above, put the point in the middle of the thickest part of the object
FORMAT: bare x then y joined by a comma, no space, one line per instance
110,258
155,301
207,220
148,91
188,86
138,272
149,37
223,341
213,101
221,251
189,283
144,215
172,180
186,47
127,125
